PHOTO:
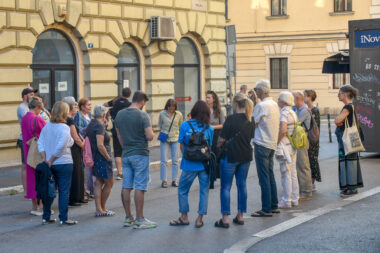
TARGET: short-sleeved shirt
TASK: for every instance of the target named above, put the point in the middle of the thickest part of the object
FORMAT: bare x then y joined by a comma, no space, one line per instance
96,128
70,122
185,132
238,132
132,123
217,120
267,118
289,116
304,116
22,109
349,108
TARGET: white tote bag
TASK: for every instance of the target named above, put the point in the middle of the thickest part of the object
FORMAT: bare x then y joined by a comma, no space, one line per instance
351,137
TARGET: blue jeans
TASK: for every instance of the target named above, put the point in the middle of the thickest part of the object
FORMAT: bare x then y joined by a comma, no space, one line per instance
62,175
185,182
135,172
264,165
173,146
227,172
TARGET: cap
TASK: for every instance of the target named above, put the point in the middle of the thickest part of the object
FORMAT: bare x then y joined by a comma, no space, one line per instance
28,90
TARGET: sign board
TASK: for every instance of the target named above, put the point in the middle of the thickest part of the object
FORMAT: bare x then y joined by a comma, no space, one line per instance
368,38
199,5
62,86
230,34
182,99
90,45
43,88
125,83
365,76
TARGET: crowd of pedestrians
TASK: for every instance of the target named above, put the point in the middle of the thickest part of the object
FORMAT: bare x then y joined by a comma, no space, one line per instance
75,149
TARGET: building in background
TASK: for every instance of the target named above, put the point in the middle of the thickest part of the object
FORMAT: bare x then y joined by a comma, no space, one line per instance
93,48
287,41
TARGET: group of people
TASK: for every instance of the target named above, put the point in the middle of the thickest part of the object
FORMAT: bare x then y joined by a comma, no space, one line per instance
259,127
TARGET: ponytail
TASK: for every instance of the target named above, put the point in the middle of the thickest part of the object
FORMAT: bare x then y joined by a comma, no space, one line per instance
243,102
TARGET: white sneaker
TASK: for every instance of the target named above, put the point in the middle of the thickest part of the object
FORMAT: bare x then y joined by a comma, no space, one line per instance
36,213
283,205
144,224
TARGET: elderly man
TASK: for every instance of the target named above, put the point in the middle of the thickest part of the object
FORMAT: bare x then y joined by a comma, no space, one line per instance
303,164
267,118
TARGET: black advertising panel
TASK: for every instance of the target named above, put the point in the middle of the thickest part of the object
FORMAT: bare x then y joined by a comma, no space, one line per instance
365,76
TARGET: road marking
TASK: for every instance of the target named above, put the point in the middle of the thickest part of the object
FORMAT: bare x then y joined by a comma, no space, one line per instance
243,245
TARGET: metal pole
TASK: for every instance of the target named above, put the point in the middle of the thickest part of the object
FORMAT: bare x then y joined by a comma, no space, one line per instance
329,126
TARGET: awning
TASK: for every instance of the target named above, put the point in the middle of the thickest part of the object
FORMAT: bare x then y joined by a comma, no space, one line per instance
338,63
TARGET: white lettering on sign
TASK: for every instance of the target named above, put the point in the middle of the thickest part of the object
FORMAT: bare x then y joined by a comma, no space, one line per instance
62,86
199,5
43,88
125,83
369,39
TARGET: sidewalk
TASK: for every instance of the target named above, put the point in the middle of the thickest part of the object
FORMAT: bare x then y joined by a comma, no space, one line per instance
11,176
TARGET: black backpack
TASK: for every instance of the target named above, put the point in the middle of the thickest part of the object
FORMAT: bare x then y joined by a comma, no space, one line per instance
197,149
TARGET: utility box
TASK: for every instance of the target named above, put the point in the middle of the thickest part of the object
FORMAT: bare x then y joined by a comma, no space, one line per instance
365,76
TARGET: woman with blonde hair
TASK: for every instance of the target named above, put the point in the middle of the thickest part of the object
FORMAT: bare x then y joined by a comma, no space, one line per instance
54,144
237,155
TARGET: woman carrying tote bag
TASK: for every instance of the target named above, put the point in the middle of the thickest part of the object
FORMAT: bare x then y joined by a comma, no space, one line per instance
347,133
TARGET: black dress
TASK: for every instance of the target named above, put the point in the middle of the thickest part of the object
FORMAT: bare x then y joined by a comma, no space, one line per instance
77,181
314,149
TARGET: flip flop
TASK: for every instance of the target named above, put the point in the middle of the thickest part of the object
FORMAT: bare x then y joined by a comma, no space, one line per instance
179,222
237,221
220,224
199,225
261,214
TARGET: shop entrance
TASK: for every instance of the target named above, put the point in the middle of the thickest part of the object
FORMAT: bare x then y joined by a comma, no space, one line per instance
186,75
54,67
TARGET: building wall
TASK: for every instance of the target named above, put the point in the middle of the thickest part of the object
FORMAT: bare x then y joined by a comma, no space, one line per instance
107,25
309,33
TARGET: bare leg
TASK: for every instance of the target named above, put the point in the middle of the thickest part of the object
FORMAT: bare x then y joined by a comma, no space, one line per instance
139,203
126,199
34,205
239,216
198,221
108,183
118,165
313,180
98,185
184,217
23,176
226,219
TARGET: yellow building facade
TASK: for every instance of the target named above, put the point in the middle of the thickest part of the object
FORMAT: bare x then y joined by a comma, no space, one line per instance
93,48
287,41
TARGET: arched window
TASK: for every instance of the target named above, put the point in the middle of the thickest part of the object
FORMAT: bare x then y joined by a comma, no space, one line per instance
54,67
186,75
128,68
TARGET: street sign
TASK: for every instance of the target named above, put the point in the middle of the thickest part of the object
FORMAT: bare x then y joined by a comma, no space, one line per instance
183,99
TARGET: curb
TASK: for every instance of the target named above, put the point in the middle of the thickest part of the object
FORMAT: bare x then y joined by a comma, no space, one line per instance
12,190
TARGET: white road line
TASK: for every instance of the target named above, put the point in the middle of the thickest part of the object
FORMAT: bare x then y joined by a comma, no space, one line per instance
245,244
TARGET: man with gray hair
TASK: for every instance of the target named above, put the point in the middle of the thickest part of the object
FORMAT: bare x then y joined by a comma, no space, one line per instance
267,119
243,89
303,163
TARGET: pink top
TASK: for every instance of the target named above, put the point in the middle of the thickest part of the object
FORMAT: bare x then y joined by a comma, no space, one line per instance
27,128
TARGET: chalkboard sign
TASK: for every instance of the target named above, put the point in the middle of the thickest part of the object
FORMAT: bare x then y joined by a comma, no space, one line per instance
365,76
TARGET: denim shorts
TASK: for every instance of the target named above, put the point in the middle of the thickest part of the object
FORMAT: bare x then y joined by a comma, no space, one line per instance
135,172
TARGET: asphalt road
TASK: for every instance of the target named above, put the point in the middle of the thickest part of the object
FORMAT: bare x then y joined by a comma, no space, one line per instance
21,232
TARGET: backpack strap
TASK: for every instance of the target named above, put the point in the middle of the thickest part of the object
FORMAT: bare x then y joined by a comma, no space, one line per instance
295,124
192,128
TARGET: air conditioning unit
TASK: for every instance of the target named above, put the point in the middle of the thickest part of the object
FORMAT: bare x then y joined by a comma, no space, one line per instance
162,28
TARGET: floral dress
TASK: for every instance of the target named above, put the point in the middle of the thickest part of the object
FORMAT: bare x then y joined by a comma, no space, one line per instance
314,149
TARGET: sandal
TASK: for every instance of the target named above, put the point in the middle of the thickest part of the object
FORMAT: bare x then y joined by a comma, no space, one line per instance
179,222
106,214
164,184
261,213
199,225
220,224
276,211
174,184
237,221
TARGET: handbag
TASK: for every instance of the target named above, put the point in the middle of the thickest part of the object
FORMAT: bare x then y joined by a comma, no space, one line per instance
164,136
34,157
351,138
87,154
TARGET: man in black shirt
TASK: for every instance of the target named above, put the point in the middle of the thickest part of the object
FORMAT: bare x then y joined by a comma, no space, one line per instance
117,104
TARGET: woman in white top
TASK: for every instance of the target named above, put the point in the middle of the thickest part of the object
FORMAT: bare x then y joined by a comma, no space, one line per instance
285,154
54,144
